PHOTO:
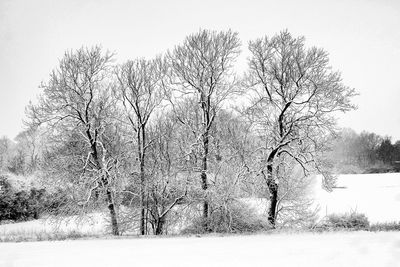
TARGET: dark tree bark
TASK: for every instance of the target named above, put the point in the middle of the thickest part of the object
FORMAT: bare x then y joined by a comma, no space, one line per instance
159,226
141,156
273,198
204,167
113,214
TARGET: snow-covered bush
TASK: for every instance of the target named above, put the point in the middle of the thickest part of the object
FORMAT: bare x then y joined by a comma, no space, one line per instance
235,217
19,204
352,220
388,226
23,201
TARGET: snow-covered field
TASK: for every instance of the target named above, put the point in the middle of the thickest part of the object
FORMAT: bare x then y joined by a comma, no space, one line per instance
353,249
375,195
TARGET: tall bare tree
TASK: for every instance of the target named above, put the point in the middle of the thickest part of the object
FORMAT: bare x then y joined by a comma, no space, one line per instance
140,91
170,175
295,96
202,69
76,101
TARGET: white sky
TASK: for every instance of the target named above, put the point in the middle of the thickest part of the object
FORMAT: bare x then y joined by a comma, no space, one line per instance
362,37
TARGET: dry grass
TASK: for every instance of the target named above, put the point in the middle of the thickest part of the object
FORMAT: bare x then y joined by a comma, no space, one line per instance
43,235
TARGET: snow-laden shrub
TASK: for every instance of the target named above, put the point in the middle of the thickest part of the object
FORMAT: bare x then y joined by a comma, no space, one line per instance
236,217
295,203
25,203
352,220
388,226
19,205
42,235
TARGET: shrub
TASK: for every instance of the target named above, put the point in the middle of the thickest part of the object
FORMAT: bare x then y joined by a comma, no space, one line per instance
21,204
352,220
237,217
388,226
42,235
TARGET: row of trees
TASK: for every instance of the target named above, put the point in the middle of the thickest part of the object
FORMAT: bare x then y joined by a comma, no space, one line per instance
146,136
365,150
21,155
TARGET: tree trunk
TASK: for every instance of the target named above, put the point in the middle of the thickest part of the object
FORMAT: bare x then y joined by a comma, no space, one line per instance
104,182
113,214
141,155
273,201
142,203
272,188
160,226
205,105
204,182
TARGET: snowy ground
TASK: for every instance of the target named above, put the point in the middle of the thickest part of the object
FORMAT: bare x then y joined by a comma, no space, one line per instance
354,249
375,195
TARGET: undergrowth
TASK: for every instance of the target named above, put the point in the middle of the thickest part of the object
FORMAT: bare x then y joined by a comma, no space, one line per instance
31,235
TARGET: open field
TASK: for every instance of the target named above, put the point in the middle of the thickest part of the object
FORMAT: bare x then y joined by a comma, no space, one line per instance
354,249
375,195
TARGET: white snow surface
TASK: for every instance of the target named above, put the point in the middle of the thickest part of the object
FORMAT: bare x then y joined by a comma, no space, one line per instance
363,249
375,195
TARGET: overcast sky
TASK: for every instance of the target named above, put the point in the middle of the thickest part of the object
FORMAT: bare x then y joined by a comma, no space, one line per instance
361,36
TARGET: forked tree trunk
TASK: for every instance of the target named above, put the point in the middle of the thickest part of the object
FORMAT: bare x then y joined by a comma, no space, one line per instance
159,226
104,182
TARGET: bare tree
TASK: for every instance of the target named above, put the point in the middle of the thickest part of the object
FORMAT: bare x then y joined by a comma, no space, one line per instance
76,102
5,149
32,142
202,69
140,92
295,95
170,174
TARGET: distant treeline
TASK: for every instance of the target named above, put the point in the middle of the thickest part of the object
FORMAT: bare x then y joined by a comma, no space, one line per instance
365,153
21,156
